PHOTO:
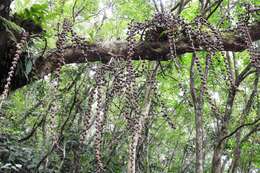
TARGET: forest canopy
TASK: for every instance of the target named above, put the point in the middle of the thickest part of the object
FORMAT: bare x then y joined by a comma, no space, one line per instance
136,86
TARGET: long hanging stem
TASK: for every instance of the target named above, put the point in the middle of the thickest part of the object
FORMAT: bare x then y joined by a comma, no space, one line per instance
11,72
55,82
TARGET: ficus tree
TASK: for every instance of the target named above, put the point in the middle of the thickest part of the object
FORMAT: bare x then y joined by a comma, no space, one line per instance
129,86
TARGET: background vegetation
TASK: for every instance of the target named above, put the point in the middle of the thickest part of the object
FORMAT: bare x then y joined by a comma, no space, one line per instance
168,138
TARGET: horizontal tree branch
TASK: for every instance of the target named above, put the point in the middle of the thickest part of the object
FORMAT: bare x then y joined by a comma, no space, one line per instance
104,51
238,128
144,50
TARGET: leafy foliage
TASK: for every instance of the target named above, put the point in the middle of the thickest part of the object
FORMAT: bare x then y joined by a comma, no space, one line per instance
168,139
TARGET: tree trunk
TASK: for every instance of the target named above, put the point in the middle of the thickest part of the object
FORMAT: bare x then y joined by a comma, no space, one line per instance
143,119
246,111
237,151
224,165
199,139
220,142
216,161
219,146
198,105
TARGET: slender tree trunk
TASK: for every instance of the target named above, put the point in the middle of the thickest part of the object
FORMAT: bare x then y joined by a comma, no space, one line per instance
131,166
199,139
216,161
219,146
246,111
198,105
237,151
224,165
